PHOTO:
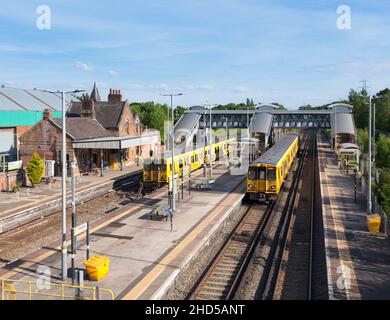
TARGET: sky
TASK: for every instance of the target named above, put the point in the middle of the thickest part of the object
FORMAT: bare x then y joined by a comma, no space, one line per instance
290,52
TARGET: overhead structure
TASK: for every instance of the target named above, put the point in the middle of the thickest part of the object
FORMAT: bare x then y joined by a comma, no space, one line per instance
265,119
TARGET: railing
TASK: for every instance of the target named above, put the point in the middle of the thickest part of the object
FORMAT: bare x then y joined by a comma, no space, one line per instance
11,289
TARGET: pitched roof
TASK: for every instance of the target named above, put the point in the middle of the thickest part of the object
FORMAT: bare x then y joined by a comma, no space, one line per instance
29,100
107,113
83,128
95,93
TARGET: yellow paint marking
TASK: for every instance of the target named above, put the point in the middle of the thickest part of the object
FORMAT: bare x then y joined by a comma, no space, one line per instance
82,189
49,253
145,282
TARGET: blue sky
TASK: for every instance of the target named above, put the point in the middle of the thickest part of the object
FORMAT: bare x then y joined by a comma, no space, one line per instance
223,50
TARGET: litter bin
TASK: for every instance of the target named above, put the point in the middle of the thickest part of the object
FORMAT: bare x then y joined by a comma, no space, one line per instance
374,222
97,267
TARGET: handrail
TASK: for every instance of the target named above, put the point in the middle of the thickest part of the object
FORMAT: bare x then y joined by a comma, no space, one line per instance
30,292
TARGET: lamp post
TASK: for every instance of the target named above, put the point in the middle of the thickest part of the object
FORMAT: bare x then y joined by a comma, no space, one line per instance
173,205
64,247
210,136
369,158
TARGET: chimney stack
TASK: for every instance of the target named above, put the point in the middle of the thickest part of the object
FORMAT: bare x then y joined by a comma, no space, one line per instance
47,114
88,107
114,96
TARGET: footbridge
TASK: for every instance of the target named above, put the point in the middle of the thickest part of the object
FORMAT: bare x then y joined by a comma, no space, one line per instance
265,121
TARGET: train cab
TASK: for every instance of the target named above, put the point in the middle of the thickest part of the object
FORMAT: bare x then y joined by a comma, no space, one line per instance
262,183
267,173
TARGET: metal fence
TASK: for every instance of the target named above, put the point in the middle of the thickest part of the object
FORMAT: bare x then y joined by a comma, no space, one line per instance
11,289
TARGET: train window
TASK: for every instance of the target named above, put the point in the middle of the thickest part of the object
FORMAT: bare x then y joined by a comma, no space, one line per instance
261,173
252,174
181,164
147,167
163,167
271,174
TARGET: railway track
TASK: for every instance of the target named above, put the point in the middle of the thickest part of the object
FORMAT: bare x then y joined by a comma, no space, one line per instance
289,273
221,280
31,236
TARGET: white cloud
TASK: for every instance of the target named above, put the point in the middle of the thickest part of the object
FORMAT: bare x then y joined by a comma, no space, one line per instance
161,86
239,89
83,66
112,73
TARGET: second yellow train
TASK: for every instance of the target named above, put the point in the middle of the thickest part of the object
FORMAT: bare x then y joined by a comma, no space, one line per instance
159,170
267,173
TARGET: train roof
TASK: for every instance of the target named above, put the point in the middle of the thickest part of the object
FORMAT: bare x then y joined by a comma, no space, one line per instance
182,148
274,154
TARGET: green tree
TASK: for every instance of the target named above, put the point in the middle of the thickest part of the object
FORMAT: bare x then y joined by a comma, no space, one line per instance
359,101
382,110
384,190
35,169
153,115
383,151
362,139
279,105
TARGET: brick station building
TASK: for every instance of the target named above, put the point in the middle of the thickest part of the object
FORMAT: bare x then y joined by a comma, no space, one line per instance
99,133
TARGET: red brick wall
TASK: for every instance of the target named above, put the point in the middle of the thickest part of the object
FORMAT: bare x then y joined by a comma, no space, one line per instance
46,139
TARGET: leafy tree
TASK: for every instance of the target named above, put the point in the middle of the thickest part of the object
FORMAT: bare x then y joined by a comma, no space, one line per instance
383,151
382,110
362,139
384,190
153,115
35,169
359,101
279,105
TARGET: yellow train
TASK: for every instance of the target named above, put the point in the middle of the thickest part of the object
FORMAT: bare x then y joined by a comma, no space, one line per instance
159,170
267,173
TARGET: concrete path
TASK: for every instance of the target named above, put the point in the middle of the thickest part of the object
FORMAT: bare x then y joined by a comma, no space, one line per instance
358,262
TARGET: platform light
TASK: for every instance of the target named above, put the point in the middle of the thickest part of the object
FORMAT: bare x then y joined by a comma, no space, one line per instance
64,247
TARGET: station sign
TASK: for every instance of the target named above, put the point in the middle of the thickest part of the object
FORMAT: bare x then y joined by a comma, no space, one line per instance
14,165
80,229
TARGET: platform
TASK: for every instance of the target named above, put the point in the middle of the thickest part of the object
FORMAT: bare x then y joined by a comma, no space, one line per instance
357,261
145,254
28,197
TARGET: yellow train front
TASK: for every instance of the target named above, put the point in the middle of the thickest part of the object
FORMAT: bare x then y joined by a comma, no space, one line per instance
267,173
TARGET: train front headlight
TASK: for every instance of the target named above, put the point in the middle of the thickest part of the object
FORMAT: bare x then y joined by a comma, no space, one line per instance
251,186
163,177
272,188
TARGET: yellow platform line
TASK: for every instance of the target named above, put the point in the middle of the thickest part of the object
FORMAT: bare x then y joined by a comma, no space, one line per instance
49,253
44,199
147,280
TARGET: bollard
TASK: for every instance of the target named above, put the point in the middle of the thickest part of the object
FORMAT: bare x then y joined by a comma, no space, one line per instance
28,192
18,195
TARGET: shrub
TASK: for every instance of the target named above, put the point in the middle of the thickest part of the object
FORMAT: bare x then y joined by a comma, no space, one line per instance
35,169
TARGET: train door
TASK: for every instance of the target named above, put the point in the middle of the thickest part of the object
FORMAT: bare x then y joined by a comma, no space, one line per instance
181,165
155,169
217,153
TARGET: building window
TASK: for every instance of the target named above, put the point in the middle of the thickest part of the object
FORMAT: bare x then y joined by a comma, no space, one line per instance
127,127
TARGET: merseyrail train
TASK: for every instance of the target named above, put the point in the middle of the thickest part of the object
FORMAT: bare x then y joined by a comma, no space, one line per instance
191,158
267,173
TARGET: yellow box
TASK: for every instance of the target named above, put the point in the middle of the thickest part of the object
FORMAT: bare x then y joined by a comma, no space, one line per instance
374,223
97,267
